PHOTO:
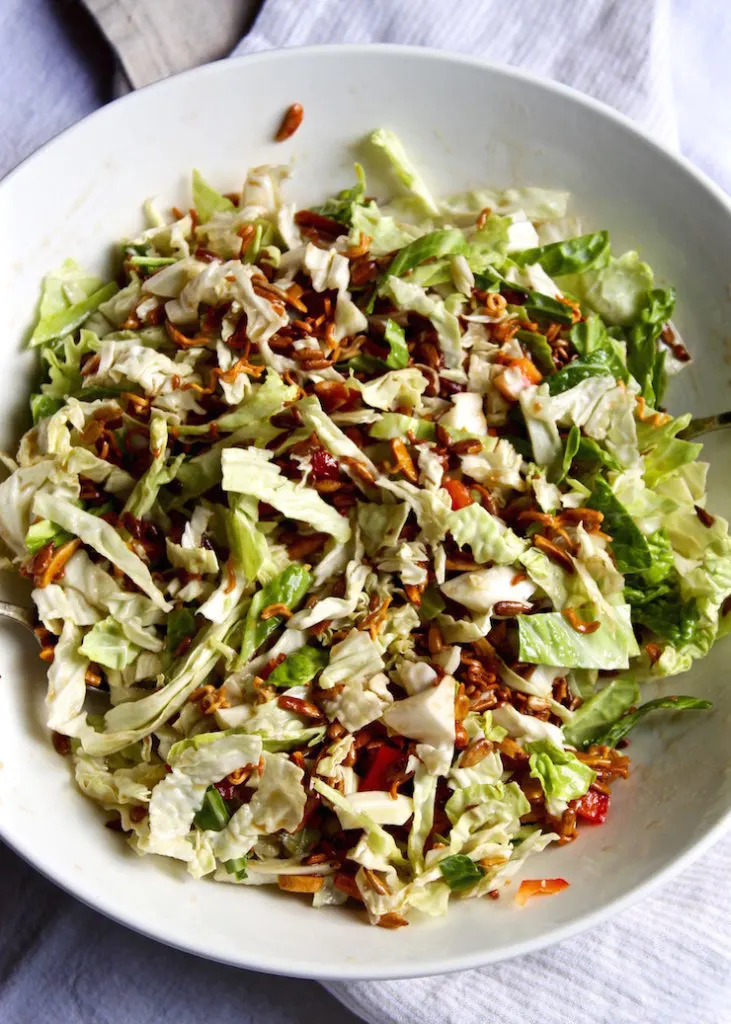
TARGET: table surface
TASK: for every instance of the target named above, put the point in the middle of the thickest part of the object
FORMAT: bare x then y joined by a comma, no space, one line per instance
55,69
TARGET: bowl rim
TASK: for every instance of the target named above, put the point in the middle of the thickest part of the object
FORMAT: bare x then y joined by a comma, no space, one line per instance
450,963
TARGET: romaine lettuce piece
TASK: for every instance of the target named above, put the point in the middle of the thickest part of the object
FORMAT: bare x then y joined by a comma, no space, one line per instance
603,709
445,242
617,291
622,726
645,362
549,639
573,256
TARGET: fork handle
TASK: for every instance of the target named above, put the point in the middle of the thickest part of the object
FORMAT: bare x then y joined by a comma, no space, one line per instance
704,425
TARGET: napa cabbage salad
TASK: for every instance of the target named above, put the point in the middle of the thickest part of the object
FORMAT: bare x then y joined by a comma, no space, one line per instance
367,526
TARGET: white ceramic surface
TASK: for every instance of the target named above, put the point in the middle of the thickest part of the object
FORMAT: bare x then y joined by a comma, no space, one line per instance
465,123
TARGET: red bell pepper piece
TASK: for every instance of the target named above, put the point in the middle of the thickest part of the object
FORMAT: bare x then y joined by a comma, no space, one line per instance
593,807
539,887
377,776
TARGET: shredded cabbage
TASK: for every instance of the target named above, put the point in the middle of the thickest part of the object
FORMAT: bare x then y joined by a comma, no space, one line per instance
365,524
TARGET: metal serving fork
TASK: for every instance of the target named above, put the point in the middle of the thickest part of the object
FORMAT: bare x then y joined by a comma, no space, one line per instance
25,616
705,424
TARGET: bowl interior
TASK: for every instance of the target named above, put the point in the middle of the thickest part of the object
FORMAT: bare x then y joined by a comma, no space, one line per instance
465,124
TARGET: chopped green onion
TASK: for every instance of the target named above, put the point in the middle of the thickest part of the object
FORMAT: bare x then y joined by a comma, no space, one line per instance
460,872
152,261
214,814
237,867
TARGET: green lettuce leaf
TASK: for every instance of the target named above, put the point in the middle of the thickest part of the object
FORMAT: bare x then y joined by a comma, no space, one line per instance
643,359
248,545
631,551
159,472
299,667
397,388
342,207
562,775
663,452
548,639
180,624
570,448
63,358
386,233
404,169
425,789
611,737
444,242
207,200
264,401
42,406
617,291
573,256
603,709
70,294
214,813
599,354
408,296
539,350
381,525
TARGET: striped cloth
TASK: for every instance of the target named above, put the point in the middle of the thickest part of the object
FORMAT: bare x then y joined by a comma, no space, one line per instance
666,961
615,50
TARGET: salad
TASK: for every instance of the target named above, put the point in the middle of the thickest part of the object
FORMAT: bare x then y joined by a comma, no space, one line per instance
357,532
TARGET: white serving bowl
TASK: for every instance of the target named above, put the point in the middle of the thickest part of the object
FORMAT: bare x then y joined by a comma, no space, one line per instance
466,124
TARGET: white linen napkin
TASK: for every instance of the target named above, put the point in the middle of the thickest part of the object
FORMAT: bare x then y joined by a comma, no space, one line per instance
668,959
